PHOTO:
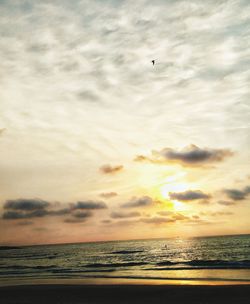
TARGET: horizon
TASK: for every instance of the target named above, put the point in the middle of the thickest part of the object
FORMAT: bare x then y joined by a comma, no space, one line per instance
100,143
124,240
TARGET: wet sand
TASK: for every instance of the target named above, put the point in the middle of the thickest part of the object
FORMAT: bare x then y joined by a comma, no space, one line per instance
135,294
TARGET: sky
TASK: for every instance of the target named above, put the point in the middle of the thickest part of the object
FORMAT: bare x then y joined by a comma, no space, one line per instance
98,144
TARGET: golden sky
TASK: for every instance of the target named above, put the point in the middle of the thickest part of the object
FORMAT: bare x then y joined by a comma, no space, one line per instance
97,143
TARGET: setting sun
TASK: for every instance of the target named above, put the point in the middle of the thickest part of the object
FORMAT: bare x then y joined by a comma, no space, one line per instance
166,188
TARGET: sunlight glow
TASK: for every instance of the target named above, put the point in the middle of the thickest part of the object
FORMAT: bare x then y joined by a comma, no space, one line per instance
165,189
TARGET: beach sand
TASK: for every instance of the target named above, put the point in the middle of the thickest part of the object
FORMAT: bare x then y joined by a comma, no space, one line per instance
91,294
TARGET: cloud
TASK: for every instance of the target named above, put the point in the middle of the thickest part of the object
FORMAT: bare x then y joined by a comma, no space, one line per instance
180,217
16,215
73,220
204,202
237,195
59,212
26,204
30,208
108,194
107,169
36,208
188,195
221,213
174,216
82,215
79,217
119,215
157,220
138,202
226,203
90,205
189,156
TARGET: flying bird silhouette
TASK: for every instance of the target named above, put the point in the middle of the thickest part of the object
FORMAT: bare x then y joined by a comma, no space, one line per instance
153,61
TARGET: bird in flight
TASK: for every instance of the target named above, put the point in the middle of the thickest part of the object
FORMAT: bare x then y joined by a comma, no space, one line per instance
153,61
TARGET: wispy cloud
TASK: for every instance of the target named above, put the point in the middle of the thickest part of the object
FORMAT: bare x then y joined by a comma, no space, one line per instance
108,169
157,220
137,202
119,215
108,194
226,203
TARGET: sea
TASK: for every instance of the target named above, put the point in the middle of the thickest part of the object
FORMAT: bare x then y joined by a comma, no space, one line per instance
220,258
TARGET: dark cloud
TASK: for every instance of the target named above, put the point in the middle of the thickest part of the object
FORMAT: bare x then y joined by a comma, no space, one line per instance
34,208
108,194
138,202
15,215
90,205
119,215
30,208
60,212
82,214
26,204
226,203
107,169
190,156
188,195
237,195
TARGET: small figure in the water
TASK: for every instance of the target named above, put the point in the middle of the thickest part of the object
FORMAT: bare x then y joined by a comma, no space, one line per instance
153,61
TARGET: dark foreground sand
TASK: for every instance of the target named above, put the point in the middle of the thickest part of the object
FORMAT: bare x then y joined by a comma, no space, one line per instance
90,294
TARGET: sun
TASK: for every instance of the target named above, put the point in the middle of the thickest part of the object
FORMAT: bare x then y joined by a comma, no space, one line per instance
172,187
165,189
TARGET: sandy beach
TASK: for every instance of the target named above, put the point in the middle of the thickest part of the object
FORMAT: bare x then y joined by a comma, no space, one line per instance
86,294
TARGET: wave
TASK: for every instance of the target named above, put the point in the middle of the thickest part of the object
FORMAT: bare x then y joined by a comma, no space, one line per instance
128,264
204,264
28,267
9,247
126,252
30,257
75,271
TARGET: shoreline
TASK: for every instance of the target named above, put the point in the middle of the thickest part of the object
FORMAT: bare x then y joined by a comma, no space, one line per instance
124,293
112,281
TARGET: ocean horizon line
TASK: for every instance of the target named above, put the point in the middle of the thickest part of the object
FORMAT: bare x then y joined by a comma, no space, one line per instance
121,240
